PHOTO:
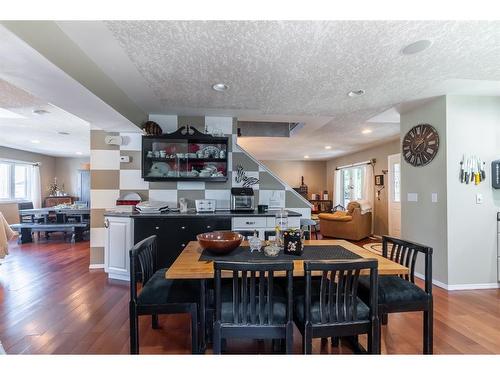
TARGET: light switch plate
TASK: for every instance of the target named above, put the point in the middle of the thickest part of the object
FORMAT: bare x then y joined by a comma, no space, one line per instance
434,197
412,197
479,198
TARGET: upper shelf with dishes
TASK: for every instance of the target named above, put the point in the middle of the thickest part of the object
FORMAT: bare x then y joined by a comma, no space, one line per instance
184,155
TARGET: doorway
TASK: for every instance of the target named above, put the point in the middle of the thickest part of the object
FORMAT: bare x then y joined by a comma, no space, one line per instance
394,199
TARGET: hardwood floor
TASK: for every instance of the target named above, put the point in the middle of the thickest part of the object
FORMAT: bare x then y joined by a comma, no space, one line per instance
50,302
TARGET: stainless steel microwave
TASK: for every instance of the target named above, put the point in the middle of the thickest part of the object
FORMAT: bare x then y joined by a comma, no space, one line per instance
242,199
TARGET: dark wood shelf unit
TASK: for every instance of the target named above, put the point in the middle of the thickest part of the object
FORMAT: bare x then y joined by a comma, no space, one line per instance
183,141
321,205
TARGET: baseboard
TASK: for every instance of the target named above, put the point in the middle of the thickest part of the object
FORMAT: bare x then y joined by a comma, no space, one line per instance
96,266
451,287
473,286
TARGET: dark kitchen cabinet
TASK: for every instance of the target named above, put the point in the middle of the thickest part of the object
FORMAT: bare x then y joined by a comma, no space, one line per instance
174,233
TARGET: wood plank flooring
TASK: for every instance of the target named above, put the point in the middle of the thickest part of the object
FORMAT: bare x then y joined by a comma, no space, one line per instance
51,303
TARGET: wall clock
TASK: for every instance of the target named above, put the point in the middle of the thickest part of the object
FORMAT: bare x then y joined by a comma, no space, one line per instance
420,145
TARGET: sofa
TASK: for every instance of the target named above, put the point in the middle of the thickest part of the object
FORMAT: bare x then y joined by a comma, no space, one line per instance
353,224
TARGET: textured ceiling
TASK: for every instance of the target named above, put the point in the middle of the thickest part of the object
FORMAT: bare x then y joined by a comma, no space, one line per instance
296,70
18,132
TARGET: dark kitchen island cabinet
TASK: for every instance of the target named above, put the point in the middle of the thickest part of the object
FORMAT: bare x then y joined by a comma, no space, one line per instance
175,233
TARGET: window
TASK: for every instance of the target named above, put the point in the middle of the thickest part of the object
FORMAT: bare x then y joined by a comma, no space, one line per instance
397,182
15,181
351,184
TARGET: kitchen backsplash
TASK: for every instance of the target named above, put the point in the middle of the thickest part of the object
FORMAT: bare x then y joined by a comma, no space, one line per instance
111,179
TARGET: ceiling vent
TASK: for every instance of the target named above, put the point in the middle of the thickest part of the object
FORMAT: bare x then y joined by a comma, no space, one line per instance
267,128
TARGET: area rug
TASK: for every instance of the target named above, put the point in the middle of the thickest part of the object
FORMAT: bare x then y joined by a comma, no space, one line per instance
374,247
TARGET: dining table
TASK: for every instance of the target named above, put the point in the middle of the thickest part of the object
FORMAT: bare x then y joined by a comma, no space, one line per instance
196,263
61,213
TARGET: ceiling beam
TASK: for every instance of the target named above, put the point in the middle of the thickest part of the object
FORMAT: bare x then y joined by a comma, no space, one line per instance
50,41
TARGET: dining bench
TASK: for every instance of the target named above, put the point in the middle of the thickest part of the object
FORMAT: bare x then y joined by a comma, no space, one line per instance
25,230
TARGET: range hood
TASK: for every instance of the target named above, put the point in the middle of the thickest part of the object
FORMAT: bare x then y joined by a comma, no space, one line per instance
267,128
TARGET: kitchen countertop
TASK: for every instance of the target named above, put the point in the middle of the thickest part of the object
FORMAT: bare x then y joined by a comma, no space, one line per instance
193,213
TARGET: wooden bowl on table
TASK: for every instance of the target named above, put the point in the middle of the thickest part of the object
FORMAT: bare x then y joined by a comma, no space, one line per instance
219,242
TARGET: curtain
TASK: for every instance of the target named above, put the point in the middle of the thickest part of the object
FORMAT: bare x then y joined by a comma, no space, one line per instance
36,189
337,189
368,188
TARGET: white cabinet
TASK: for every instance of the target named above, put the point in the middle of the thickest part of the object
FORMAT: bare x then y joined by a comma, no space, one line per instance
260,224
119,240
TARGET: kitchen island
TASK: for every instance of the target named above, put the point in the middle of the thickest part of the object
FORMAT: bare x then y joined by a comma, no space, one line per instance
175,230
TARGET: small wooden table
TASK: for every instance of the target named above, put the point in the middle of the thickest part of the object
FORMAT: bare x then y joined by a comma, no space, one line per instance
188,266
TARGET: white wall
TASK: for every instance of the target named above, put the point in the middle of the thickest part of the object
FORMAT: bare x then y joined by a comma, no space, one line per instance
291,171
423,221
461,232
473,125
66,171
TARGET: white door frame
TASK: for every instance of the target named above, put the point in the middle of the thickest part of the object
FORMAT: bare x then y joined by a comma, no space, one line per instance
389,190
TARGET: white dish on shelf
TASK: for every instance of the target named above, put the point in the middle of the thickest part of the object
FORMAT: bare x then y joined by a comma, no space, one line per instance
131,197
159,169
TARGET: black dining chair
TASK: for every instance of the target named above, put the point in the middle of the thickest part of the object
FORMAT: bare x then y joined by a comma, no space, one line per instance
401,293
159,295
28,218
330,307
253,306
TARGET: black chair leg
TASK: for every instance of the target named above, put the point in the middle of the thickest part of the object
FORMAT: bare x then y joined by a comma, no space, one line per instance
384,319
335,341
374,343
428,331
154,321
276,345
217,341
134,330
195,343
289,339
307,341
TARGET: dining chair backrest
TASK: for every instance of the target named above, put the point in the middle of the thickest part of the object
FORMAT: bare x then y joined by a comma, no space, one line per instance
25,205
142,263
253,290
405,253
338,289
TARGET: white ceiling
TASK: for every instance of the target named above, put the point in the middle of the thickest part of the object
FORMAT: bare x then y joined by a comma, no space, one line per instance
19,132
29,81
293,71
290,70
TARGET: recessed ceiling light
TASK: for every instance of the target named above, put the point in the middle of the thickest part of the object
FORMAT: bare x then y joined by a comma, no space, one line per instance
35,141
79,153
366,131
416,47
306,156
355,93
220,87
328,147
63,133
40,112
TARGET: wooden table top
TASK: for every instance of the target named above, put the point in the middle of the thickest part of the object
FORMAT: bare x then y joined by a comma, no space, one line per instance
188,266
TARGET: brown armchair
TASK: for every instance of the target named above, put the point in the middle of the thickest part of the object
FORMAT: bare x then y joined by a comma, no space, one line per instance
348,225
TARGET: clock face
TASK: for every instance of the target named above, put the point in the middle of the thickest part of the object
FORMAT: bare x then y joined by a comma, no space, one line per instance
420,145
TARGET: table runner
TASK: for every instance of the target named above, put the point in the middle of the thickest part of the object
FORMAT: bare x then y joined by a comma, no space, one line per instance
243,254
